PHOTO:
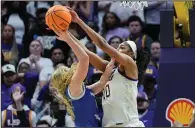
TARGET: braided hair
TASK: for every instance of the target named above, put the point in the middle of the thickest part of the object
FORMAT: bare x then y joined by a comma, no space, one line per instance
60,80
143,59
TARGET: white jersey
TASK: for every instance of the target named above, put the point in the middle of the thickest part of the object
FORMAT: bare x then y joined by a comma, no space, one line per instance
119,102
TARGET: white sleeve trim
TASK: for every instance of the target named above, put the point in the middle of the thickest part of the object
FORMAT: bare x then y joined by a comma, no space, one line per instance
79,97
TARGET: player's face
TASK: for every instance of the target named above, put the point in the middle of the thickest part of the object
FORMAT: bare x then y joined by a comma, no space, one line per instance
135,27
115,43
125,48
35,48
155,50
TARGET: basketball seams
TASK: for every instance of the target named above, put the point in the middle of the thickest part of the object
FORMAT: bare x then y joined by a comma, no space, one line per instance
53,19
55,11
61,18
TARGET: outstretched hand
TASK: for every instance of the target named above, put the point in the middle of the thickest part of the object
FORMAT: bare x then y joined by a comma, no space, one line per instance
75,17
110,66
62,35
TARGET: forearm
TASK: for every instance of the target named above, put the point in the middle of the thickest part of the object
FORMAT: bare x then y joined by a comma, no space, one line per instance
95,37
79,52
99,86
94,59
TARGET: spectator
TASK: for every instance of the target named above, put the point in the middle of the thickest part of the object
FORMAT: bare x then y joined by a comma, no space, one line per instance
9,78
125,12
145,115
83,8
9,47
136,33
155,52
18,18
37,62
91,70
56,57
103,7
152,14
111,26
72,58
150,86
28,79
18,114
34,5
46,37
114,42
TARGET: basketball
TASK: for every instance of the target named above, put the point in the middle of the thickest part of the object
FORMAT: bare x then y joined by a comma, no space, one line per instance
58,18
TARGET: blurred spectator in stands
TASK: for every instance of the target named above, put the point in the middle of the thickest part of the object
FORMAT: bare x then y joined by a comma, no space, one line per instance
114,42
32,6
18,114
46,37
9,78
28,79
125,12
9,47
152,14
83,8
56,57
4,8
18,18
155,54
91,70
71,59
136,33
150,86
103,7
111,27
37,62
145,115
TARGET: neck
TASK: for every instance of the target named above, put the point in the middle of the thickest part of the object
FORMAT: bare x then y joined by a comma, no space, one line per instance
7,41
135,35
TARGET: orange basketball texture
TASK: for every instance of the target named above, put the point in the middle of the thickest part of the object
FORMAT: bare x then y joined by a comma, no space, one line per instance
58,18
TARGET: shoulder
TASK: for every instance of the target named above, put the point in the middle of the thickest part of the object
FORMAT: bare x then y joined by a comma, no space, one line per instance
78,97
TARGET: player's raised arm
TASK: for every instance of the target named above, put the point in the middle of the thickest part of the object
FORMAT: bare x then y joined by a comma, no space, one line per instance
94,59
99,86
101,42
83,62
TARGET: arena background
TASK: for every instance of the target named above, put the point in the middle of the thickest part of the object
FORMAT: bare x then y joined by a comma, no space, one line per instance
171,68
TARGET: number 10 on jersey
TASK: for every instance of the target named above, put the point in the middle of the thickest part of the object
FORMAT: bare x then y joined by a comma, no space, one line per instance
106,92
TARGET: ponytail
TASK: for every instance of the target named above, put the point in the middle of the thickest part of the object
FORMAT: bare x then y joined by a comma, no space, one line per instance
142,61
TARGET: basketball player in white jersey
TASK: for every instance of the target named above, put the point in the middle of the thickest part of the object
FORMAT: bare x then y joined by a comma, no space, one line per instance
120,93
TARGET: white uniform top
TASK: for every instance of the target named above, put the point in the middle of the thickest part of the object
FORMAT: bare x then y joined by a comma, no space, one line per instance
119,102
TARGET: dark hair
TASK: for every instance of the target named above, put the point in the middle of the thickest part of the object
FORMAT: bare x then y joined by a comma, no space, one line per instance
135,18
94,47
43,122
105,25
60,62
121,40
54,48
41,10
142,61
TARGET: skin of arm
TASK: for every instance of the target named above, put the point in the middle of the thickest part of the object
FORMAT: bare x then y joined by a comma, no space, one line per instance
99,86
76,84
94,59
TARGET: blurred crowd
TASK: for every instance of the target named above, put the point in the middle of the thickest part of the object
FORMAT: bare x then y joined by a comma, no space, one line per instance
30,53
